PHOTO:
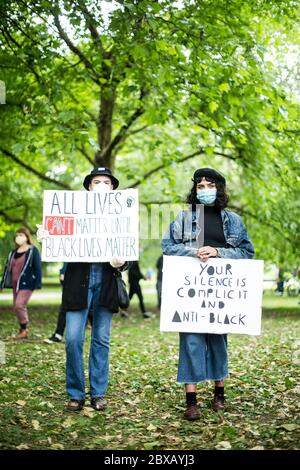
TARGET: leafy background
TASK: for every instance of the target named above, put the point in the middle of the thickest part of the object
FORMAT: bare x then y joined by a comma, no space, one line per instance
154,90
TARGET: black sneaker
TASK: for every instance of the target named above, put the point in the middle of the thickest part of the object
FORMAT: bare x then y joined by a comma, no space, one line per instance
52,339
147,315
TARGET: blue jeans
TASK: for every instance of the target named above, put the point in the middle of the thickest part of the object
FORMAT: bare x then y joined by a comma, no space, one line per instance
99,349
202,357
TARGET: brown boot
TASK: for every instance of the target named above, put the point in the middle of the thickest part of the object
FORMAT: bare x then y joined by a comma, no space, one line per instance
75,405
191,413
218,403
23,334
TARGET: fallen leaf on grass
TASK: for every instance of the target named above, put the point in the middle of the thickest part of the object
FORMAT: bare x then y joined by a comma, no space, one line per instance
290,427
88,412
21,402
68,423
151,427
107,438
223,445
35,424
23,447
57,447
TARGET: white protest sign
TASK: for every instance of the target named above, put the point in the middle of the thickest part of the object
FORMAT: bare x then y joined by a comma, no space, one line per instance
219,296
91,226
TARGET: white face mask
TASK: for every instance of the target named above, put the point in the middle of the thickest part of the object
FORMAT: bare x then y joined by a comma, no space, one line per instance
101,188
20,240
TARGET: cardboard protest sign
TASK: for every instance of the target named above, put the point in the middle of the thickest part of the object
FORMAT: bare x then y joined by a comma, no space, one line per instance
218,296
91,226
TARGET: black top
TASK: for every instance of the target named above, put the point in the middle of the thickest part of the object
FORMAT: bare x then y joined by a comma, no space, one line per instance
213,227
159,266
134,273
18,255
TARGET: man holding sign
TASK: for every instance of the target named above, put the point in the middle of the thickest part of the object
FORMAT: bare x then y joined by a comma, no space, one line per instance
87,283
206,231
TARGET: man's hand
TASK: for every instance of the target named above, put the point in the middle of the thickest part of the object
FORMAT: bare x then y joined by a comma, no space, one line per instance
41,233
206,252
117,262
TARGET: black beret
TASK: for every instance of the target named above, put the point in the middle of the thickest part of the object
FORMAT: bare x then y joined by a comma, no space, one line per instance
208,173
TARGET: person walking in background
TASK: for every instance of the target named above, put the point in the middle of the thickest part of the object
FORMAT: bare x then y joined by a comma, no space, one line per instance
204,356
280,281
134,277
22,273
159,267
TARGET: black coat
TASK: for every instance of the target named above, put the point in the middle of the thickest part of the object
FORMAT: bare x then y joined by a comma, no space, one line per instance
76,284
134,273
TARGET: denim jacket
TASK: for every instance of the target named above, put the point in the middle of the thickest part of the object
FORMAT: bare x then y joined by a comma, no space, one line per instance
181,239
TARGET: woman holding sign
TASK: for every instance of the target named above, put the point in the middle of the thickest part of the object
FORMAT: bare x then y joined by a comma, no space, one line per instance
89,284
204,356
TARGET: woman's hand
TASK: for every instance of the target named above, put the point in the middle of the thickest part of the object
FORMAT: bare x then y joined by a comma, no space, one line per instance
206,252
41,233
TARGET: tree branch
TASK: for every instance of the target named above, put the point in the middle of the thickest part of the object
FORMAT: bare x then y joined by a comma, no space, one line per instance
83,150
163,165
128,134
284,131
140,129
86,111
32,170
180,160
17,220
95,77
123,131
262,220
91,24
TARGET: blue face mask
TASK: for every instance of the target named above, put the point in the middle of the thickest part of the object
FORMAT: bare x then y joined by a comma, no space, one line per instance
207,196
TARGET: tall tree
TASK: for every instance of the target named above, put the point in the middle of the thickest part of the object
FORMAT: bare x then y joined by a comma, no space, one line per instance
151,88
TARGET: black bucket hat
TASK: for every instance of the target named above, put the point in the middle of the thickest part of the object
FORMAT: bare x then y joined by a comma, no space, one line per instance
98,172
209,173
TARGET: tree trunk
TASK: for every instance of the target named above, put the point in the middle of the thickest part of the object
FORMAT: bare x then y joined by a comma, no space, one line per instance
104,127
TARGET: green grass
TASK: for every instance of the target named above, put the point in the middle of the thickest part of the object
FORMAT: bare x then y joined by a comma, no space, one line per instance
145,402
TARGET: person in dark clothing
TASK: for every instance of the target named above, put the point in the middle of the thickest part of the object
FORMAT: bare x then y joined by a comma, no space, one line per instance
87,284
134,277
22,273
159,267
61,319
280,282
204,356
